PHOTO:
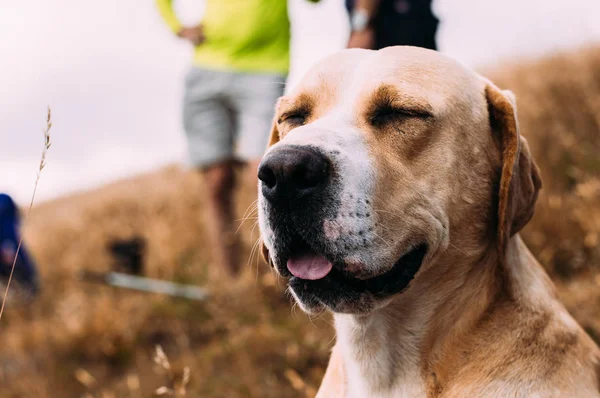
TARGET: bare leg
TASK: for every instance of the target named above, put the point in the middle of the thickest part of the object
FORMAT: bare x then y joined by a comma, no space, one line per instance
253,173
220,184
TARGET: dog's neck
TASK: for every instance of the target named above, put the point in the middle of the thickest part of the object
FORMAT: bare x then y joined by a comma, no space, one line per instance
396,348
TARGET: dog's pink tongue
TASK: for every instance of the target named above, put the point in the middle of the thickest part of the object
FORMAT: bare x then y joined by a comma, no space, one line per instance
309,266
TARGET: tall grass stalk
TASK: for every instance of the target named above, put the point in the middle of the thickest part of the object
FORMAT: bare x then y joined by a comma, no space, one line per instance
47,144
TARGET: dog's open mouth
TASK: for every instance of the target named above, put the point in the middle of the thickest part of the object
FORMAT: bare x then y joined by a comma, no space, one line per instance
312,273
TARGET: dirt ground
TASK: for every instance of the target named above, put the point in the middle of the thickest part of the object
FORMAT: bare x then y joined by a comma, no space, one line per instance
88,340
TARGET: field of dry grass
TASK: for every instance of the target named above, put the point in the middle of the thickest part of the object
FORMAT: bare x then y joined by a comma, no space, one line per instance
88,340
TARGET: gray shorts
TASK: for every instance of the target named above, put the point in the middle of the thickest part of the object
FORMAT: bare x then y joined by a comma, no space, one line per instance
227,115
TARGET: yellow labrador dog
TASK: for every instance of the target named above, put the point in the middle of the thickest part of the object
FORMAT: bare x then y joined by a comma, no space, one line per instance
392,195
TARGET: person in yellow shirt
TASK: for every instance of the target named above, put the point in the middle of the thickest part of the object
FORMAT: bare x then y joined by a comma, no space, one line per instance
241,60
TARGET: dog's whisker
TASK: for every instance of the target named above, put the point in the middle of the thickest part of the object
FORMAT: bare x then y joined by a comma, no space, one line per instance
257,255
319,315
386,228
246,218
294,302
384,241
458,248
387,212
252,250
251,208
254,228
248,214
332,340
310,318
242,223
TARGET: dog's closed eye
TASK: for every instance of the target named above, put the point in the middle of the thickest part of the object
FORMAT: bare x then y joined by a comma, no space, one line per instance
389,107
294,118
386,114
295,111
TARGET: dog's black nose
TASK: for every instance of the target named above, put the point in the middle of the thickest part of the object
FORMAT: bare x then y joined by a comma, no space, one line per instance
293,172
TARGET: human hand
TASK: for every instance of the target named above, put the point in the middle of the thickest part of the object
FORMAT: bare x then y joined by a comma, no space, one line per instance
194,34
7,254
362,39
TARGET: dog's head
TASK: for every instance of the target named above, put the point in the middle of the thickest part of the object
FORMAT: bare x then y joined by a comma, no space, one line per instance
380,164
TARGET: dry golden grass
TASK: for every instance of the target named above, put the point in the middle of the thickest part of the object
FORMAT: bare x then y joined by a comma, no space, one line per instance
244,341
83,340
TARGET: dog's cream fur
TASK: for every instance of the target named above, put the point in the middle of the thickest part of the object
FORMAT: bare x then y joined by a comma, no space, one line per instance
481,318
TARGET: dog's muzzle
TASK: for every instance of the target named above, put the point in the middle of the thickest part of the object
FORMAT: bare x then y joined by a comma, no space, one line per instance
301,191
298,189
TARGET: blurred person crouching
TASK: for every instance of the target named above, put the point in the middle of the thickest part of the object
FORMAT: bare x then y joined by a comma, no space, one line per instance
25,273
376,24
241,61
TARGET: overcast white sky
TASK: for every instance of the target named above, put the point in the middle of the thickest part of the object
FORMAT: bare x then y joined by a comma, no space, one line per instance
113,73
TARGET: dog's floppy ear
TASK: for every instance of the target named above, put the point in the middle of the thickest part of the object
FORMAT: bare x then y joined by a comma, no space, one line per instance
520,179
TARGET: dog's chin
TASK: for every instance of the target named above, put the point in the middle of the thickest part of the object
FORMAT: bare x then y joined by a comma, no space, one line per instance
341,292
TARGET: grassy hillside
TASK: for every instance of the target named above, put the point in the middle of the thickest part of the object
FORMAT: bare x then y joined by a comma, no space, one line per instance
82,339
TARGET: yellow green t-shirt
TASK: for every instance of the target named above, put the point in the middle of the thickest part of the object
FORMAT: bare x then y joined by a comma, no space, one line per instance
241,35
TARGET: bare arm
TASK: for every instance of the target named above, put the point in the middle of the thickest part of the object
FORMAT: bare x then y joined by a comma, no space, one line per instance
165,8
370,6
194,34
362,35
